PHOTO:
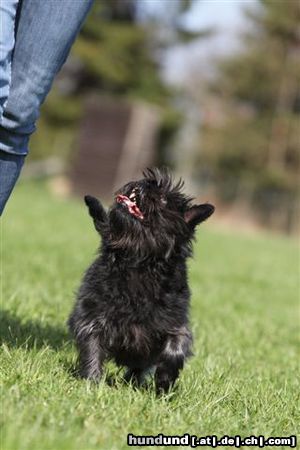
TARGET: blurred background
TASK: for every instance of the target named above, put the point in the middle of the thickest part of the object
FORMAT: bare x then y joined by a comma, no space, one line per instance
207,88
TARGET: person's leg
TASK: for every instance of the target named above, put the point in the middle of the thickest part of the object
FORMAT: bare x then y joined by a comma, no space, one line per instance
10,165
10,168
46,31
8,12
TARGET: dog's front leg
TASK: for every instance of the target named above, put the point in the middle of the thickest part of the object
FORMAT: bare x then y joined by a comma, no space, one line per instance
134,375
167,372
91,357
172,358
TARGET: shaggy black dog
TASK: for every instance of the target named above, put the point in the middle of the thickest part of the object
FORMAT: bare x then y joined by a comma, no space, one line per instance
133,302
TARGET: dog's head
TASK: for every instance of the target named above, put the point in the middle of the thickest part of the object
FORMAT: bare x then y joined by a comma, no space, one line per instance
151,216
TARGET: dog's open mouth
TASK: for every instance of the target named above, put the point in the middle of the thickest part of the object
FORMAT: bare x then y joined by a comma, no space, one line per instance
130,203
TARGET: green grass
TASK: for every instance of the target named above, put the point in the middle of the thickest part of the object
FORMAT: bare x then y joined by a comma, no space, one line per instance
243,379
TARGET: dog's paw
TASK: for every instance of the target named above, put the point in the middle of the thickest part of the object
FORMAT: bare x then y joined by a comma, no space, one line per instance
91,375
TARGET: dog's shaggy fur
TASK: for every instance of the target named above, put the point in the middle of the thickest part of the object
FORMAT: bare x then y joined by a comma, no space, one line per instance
133,302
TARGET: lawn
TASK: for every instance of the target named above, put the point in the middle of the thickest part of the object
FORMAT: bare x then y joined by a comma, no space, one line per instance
243,378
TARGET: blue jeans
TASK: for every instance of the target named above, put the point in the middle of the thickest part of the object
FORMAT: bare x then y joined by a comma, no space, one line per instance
35,39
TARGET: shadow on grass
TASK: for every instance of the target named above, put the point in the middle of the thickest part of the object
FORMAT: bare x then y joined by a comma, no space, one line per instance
16,332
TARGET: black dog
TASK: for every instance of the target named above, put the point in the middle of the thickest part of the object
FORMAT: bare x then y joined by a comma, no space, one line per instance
133,303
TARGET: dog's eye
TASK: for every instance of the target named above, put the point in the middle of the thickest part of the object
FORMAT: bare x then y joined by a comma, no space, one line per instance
163,200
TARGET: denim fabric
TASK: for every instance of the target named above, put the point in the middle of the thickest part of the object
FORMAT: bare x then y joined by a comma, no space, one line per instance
8,11
45,32
10,168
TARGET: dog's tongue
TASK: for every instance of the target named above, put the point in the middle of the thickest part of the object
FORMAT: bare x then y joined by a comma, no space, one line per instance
132,207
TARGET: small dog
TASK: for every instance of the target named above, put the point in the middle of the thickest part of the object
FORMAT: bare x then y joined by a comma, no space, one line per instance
132,305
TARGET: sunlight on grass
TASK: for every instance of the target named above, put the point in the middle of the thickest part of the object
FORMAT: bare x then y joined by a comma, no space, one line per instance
243,378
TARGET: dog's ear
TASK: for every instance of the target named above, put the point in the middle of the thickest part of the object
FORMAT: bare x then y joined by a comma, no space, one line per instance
198,213
97,212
